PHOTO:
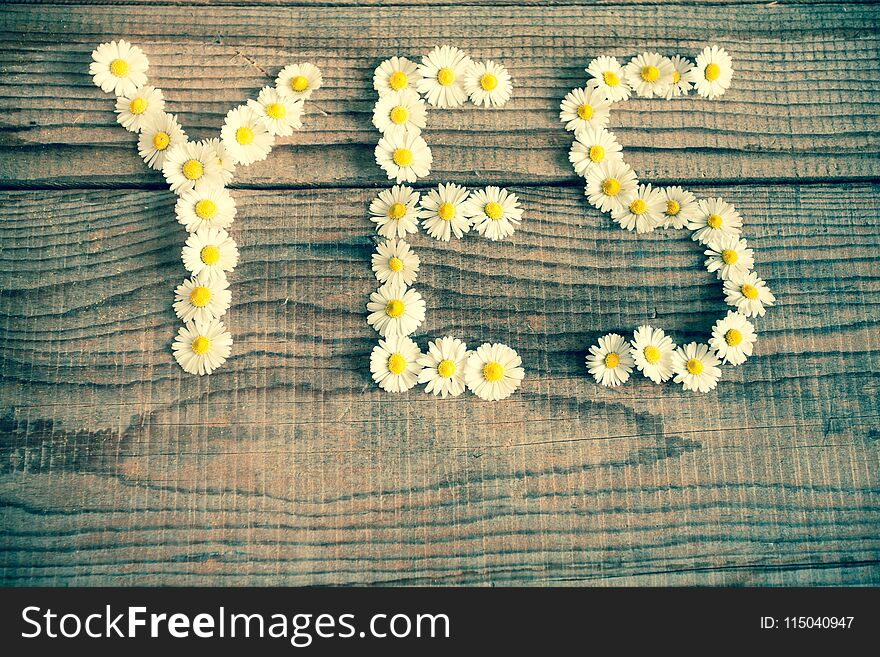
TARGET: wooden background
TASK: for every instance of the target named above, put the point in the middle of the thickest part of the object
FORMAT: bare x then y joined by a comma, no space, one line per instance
288,466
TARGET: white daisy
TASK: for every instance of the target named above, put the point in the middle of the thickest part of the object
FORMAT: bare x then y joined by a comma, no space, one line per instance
749,294
713,72
394,211
210,253
119,67
610,362
188,164
696,367
205,207
137,109
395,262
715,219
442,212
396,74
201,299
733,338
592,147
280,113
609,182
246,136
488,84
650,74
160,133
729,256
652,353
681,207
586,108
494,212
610,78
394,363
298,81
202,347
395,310
444,367
681,84
399,112
641,209
404,157
227,165
443,71
494,371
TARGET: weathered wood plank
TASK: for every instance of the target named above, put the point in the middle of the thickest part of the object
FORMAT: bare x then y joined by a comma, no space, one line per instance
803,105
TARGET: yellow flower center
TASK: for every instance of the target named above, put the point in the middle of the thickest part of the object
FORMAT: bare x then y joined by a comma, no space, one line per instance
193,169
585,111
201,345
493,372
489,82
119,68
733,337
611,187
397,211
611,78
612,360
398,80
299,83
597,153
161,141
244,135
712,72
446,368
396,364
650,73
206,209
210,254
729,256
395,264
749,291
676,77
673,208
445,76
494,210
276,110
138,105
695,366
652,354
638,206
714,221
200,296
395,308
399,115
446,211
403,157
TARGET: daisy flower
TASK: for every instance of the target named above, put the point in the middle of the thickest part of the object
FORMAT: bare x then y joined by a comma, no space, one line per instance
227,166
494,371
715,219
442,212
749,294
681,207
202,347
610,362
404,157
394,211
696,367
582,109
681,84
199,299
488,84
652,353
729,256
205,207
119,67
609,78
298,81
210,253
158,134
140,107
245,136
713,72
395,310
641,210
395,74
649,74
592,147
399,112
280,113
395,262
733,338
444,367
188,164
494,212
394,363
609,182
443,71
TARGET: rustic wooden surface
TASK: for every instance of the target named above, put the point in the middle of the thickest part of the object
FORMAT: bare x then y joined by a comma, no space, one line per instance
288,466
